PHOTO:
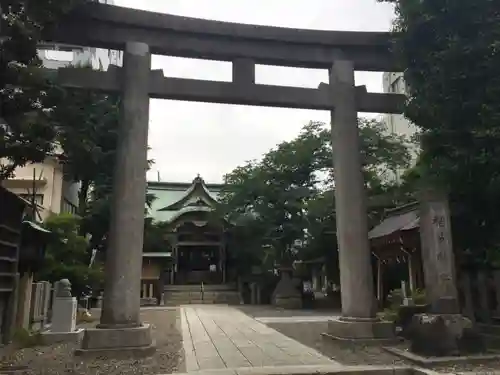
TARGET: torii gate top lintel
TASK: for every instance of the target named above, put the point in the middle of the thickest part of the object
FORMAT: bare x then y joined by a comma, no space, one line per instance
109,26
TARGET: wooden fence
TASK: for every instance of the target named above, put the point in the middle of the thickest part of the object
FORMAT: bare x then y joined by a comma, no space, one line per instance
41,299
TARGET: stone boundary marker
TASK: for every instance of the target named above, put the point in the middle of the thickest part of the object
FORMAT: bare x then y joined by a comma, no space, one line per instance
316,370
434,361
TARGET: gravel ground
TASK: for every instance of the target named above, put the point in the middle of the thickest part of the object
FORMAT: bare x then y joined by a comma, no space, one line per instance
354,354
59,359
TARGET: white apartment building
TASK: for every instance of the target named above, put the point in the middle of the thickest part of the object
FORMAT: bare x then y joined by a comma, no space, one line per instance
54,192
394,83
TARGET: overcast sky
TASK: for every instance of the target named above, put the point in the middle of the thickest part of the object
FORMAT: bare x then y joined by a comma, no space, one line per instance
211,139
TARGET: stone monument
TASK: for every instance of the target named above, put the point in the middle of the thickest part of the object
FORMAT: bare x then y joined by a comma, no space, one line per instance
407,300
287,295
64,309
443,331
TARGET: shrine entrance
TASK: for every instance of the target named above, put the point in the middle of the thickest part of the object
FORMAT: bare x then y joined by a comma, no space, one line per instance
141,34
199,254
198,264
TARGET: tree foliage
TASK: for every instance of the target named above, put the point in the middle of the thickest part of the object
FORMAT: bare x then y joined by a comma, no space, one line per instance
67,257
87,123
154,236
450,52
26,133
284,202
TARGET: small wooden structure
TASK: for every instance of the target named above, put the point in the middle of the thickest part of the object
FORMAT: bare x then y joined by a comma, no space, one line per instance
396,241
33,242
11,216
22,250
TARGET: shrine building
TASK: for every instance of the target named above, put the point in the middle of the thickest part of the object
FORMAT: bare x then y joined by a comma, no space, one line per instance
196,247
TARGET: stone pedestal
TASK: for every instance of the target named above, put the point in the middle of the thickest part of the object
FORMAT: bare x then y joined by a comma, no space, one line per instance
64,314
117,342
443,335
63,327
120,332
51,338
366,330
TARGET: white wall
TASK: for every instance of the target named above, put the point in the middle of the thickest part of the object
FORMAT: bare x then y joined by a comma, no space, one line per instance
48,181
397,123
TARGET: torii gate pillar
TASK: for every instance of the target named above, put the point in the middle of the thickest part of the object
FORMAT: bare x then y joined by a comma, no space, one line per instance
120,330
358,320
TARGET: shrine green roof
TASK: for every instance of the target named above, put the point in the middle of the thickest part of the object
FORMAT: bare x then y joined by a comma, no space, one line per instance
173,197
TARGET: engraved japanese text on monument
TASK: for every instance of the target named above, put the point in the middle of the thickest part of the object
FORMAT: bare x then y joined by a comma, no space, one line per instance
443,248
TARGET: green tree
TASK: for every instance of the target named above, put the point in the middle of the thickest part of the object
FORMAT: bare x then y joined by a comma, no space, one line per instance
289,195
26,134
88,126
450,52
155,240
87,123
67,257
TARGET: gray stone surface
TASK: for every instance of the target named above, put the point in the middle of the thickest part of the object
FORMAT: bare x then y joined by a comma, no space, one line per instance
64,314
447,360
50,338
361,330
287,294
99,338
230,92
442,335
356,277
218,337
316,369
111,27
437,252
121,303
63,288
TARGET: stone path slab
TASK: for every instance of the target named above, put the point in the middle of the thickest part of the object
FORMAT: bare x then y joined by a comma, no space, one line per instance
219,337
295,319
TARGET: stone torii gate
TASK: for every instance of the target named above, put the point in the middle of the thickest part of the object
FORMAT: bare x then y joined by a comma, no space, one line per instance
141,33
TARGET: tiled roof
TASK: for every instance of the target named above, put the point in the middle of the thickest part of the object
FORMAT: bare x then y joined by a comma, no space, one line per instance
171,193
399,219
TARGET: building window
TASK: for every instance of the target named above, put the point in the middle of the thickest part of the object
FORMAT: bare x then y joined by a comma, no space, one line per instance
29,198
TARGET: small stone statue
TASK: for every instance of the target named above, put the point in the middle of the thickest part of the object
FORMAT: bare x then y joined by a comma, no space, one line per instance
63,288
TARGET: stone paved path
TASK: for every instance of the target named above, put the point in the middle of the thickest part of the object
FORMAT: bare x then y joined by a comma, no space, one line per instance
294,319
219,337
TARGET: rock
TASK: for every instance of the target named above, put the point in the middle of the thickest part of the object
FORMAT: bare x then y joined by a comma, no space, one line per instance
440,335
405,317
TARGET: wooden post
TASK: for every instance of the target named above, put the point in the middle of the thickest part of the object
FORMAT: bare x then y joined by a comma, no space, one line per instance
496,281
411,272
468,309
380,283
24,300
482,288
